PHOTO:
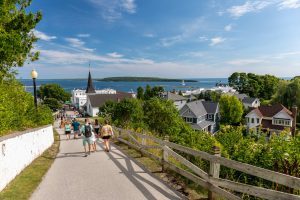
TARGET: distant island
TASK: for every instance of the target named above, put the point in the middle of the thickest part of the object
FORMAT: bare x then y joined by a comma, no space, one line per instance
143,79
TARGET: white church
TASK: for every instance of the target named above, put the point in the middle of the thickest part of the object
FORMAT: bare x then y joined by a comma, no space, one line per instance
90,99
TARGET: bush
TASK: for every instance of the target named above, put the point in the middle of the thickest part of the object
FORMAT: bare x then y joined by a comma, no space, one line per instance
17,110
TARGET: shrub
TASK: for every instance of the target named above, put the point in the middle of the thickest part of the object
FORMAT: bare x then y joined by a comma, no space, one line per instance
17,110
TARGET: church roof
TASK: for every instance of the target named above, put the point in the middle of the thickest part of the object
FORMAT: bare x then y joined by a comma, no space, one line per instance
90,87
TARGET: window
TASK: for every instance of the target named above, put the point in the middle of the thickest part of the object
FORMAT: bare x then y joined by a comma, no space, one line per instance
252,120
282,122
247,119
189,120
257,120
209,116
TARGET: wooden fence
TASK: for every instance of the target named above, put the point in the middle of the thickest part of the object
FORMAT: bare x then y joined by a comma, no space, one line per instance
211,180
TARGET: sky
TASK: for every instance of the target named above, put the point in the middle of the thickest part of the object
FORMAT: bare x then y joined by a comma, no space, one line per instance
166,38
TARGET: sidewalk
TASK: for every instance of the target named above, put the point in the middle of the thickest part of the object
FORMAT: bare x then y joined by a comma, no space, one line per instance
101,175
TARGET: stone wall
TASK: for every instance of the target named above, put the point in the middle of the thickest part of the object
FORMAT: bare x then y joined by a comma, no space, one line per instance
18,150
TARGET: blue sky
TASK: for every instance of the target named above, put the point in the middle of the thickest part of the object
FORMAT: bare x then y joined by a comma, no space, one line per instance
166,38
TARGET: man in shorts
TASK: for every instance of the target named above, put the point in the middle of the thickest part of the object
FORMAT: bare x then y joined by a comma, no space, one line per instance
86,130
76,126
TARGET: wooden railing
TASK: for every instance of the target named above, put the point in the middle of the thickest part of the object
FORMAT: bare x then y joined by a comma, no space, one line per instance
211,180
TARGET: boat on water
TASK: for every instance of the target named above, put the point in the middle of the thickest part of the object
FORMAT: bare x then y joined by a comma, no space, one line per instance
183,83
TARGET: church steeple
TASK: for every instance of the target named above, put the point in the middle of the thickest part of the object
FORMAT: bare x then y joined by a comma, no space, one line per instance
90,87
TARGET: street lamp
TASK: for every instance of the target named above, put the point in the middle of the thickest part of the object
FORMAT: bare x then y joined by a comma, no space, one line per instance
34,75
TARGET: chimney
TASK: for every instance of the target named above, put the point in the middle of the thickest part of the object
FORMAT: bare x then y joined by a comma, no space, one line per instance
294,111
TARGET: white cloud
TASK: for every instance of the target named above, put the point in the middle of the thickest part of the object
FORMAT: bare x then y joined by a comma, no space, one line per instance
257,5
216,41
149,35
78,44
84,35
112,10
129,5
285,4
202,39
189,30
115,55
59,57
243,62
43,36
247,7
228,27
194,54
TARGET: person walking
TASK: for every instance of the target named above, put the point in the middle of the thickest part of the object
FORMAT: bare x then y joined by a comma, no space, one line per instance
76,126
106,133
86,130
97,127
62,123
68,129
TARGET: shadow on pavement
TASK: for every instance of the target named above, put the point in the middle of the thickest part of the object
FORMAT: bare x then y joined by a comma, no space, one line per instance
136,178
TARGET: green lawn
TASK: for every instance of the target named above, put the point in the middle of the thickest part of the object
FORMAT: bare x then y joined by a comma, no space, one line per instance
27,181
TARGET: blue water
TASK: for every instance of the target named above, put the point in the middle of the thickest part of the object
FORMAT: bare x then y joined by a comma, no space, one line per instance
70,84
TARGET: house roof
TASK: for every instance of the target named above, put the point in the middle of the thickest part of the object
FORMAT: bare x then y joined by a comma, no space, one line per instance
249,100
202,125
270,111
200,108
98,100
210,107
240,96
90,87
173,97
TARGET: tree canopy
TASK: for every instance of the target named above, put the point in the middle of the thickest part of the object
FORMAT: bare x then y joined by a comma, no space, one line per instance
288,93
16,36
262,86
231,109
54,91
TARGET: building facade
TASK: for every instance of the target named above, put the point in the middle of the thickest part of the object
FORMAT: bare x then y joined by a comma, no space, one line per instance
275,118
202,115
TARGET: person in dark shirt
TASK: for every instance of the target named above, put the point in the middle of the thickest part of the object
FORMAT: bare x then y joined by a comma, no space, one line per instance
76,128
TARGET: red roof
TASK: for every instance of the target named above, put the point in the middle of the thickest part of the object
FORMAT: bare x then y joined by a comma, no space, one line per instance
270,111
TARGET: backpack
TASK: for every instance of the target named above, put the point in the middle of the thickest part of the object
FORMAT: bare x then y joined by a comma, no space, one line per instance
87,131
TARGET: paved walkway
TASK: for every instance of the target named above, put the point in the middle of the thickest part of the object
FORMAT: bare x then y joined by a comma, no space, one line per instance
102,175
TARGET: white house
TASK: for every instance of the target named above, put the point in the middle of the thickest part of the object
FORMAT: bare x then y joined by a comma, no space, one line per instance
249,102
179,101
201,115
79,97
273,118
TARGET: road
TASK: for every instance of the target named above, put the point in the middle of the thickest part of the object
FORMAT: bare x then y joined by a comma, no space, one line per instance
101,175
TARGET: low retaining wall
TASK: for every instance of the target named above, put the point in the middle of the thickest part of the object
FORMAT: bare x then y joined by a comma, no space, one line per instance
18,150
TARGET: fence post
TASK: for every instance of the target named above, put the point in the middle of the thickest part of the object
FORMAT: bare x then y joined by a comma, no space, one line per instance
165,154
214,171
144,141
129,138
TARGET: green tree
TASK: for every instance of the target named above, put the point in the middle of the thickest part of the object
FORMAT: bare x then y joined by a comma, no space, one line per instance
16,36
17,110
53,91
254,85
148,92
52,103
156,91
129,112
288,93
231,109
140,92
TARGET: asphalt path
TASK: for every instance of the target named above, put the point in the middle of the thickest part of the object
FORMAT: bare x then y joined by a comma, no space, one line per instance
101,175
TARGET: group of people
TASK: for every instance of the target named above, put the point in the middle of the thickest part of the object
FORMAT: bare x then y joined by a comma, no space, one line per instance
89,132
